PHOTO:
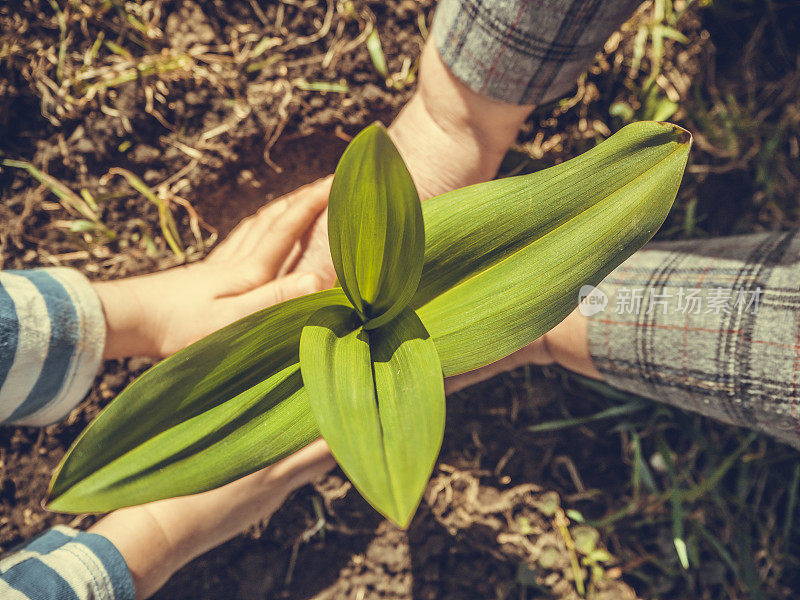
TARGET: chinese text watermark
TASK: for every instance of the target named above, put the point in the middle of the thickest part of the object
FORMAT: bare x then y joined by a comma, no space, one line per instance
689,301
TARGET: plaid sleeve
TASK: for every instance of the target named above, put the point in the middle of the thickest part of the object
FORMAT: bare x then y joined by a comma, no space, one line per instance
52,335
712,326
524,51
65,564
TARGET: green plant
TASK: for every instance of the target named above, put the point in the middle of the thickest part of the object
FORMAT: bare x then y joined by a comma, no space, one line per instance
426,290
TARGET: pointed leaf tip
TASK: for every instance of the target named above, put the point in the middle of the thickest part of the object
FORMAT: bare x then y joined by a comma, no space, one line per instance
378,398
375,227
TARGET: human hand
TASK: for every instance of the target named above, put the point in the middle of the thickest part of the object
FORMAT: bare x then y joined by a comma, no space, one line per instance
566,345
449,137
158,538
316,253
161,313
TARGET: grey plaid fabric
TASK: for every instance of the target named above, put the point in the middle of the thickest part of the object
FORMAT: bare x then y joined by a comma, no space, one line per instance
711,326
524,51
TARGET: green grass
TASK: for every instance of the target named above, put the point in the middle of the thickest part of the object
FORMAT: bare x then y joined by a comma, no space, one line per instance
703,510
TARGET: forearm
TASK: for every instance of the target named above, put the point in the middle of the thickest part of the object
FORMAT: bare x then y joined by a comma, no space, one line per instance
710,326
132,552
524,52
484,68
568,345
65,563
159,538
449,135
129,331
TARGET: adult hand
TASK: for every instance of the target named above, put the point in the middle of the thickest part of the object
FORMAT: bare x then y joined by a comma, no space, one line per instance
316,253
449,137
566,345
161,313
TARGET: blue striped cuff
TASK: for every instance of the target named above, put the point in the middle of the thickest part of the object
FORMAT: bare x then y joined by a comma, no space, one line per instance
52,335
65,564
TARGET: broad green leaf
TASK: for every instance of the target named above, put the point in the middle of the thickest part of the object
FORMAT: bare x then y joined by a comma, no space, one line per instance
375,227
378,399
203,451
504,262
246,373
410,388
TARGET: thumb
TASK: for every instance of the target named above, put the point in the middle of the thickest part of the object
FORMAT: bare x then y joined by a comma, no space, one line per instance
534,353
276,291
306,465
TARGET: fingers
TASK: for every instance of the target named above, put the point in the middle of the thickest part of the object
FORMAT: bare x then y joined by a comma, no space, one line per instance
242,234
274,292
272,240
534,353
306,465
267,233
316,255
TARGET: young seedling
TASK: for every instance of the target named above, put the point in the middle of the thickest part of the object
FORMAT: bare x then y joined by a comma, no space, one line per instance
426,290
371,369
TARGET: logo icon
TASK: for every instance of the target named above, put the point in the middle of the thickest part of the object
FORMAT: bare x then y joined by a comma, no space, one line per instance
592,300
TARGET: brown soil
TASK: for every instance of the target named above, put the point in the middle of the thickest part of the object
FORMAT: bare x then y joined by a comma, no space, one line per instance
489,523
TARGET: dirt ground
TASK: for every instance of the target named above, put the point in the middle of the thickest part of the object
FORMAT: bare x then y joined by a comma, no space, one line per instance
217,107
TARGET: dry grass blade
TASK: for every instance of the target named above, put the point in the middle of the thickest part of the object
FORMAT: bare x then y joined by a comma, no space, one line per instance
165,218
196,222
72,202
62,46
69,199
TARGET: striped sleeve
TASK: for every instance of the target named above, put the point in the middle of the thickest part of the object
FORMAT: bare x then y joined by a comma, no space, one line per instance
52,335
524,51
65,564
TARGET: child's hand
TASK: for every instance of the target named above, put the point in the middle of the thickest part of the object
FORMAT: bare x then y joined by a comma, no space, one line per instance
316,254
157,539
161,313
